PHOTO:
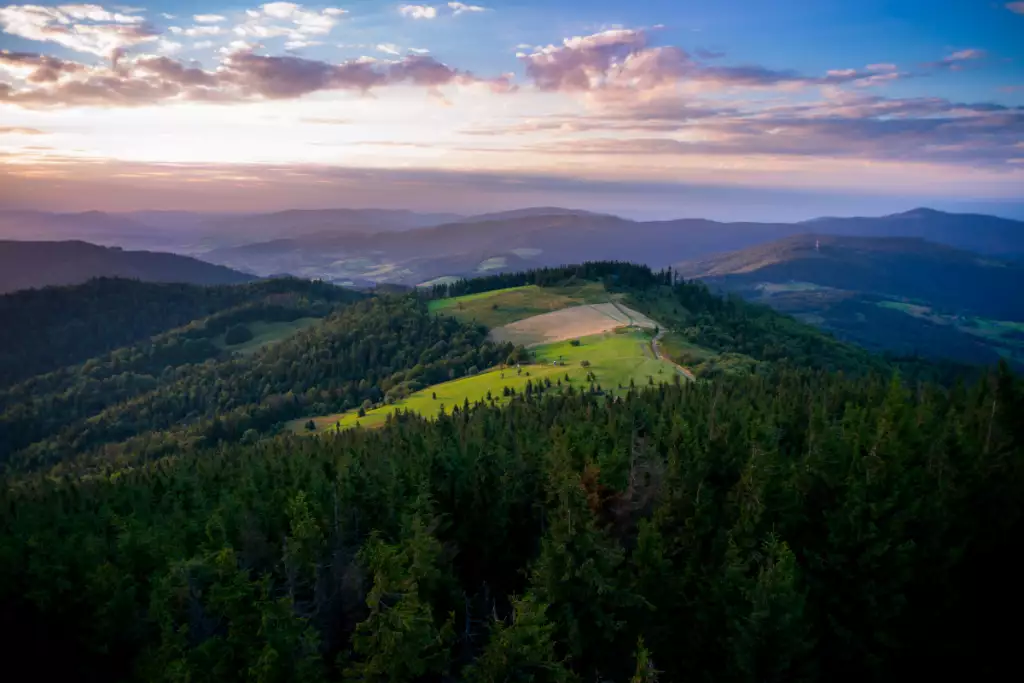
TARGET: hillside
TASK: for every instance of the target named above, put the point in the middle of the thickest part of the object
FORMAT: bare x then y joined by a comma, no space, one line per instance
50,328
576,510
26,265
188,384
905,295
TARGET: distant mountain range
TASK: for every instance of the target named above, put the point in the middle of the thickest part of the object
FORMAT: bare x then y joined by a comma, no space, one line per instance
364,247
26,265
539,237
194,232
899,294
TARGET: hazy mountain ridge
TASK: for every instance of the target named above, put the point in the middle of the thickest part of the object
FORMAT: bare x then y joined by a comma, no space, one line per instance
398,246
562,236
26,265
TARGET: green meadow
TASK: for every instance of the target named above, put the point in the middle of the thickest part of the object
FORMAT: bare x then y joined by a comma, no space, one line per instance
615,359
504,306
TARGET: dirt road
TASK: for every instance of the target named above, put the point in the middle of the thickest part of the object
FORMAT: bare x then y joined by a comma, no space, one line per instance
657,354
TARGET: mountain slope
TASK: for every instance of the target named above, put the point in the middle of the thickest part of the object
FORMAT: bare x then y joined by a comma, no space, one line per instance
50,328
38,264
900,294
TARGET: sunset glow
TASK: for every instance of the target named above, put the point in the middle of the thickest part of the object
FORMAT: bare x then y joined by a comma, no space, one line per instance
104,98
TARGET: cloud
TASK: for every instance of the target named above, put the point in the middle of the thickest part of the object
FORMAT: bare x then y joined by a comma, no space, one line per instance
292,45
15,130
958,60
458,8
36,68
82,28
1017,7
389,48
583,62
918,130
195,31
175,72
418,11
209,18
288,20
241,76
621,61
168,47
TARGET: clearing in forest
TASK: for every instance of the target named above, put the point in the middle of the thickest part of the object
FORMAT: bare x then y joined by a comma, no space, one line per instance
266,333
570,323
614,360
503,306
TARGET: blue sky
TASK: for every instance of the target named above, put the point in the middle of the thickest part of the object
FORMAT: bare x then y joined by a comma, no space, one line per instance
898,100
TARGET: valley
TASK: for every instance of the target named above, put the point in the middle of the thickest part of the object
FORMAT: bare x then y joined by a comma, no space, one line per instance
895,295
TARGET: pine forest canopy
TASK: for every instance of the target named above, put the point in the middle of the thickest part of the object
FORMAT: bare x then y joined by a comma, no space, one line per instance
804,510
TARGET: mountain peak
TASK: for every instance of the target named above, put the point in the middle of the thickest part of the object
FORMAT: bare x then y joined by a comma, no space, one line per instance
920,212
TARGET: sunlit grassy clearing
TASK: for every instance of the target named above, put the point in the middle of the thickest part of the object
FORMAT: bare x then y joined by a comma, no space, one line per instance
615,358
266,333
503,306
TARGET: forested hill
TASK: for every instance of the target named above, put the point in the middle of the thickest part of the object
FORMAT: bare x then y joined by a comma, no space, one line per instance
138,397
907,268
900,295
803,511
25,265
45,329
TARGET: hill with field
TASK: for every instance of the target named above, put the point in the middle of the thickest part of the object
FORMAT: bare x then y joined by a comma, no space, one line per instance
288,480
576,334
25,265
904,295
316,483
244,361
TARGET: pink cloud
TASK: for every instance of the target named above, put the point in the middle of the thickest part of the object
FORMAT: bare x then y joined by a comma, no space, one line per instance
243,75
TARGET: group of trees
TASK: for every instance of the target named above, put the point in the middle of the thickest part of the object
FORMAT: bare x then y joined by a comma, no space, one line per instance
805,526
47,403
361,352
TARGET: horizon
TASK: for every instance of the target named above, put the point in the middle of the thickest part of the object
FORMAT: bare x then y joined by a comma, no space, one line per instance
1010,211
651,111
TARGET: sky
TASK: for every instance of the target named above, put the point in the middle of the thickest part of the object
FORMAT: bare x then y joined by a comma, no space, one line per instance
777,110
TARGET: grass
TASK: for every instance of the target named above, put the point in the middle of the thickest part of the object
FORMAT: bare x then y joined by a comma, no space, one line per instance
1005,331
266,333
915,310
504,306
615,359
769,288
